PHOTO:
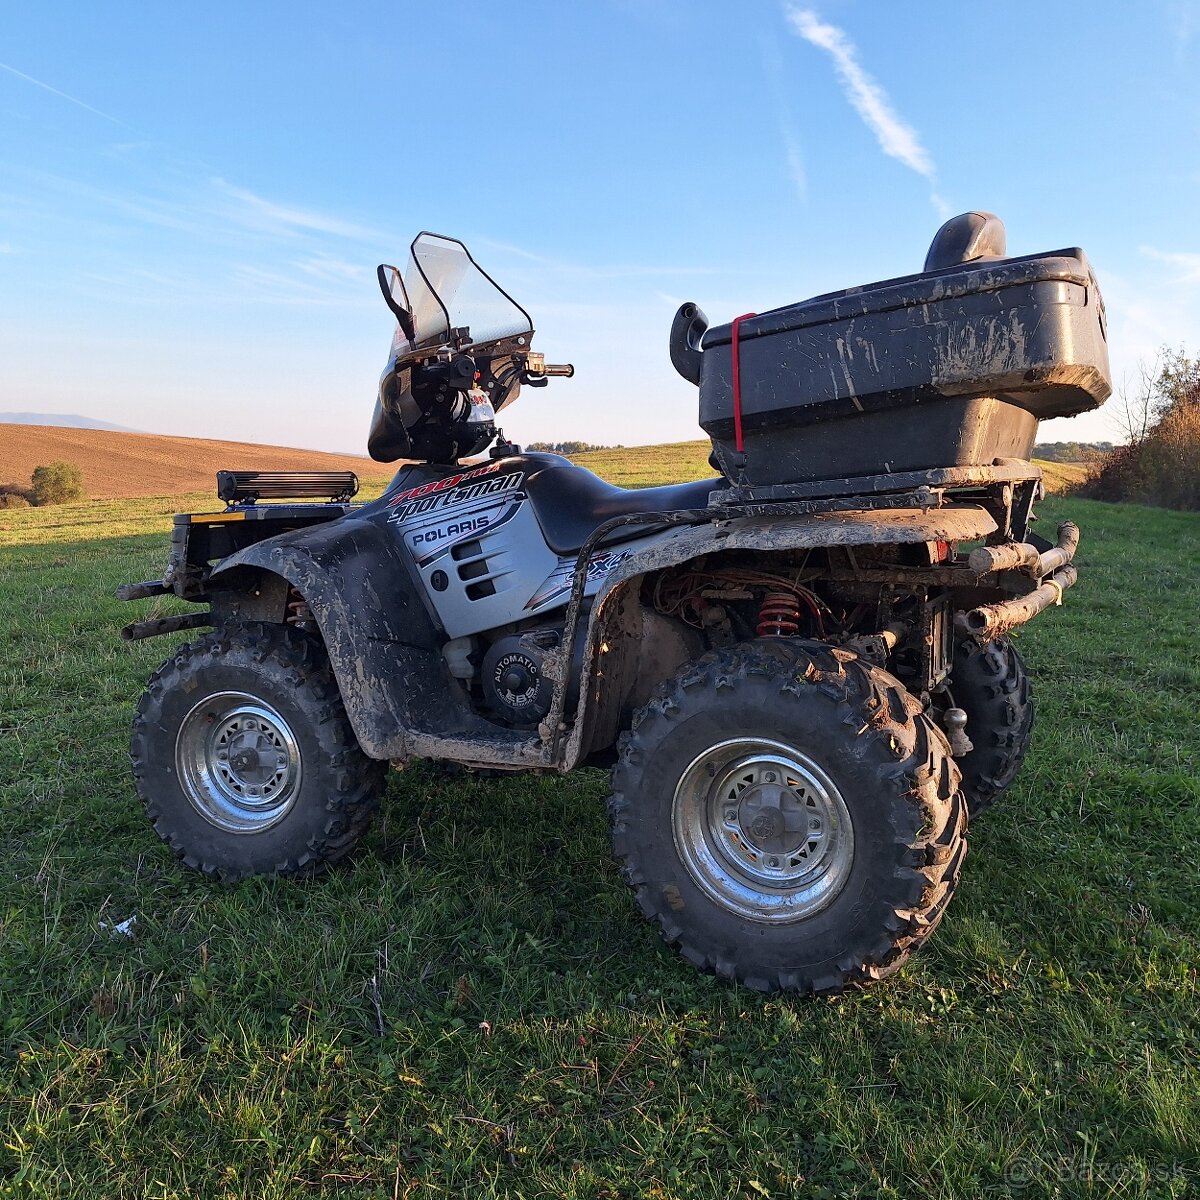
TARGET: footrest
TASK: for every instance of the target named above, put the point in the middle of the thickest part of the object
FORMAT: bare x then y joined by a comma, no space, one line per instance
246,487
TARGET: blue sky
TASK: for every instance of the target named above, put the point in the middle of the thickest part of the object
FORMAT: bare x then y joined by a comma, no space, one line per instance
193,198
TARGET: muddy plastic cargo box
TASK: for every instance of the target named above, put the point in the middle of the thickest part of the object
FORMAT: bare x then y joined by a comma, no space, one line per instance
953,367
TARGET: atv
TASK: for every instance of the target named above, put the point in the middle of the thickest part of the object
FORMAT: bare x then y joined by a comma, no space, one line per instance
799,670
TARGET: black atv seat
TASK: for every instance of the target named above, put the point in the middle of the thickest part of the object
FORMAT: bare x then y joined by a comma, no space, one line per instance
570,502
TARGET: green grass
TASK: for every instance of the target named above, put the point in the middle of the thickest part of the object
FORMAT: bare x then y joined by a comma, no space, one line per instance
648,466
676,462
471,1008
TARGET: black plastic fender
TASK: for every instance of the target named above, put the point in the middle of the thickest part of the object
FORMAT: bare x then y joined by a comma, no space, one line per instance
601,626
382,643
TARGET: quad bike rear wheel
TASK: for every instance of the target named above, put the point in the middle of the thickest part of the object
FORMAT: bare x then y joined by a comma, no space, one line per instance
991,686
789,817
245,758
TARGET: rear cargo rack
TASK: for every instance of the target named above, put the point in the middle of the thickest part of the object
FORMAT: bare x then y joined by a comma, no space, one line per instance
248,487
860,486
1007,489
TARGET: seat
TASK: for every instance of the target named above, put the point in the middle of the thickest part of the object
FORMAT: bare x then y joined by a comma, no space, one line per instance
570,503
970,237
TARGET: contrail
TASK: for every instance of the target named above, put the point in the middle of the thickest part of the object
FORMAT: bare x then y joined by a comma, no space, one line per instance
54,91
896,138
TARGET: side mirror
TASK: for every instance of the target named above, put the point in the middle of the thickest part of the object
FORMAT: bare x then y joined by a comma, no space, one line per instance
391,284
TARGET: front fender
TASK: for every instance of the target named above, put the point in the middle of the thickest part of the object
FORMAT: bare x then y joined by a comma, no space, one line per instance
382,644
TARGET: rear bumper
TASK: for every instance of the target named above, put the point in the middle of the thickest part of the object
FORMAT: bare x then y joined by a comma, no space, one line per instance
1051,570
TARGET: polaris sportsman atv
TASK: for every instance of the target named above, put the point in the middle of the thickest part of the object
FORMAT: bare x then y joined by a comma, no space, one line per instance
799,667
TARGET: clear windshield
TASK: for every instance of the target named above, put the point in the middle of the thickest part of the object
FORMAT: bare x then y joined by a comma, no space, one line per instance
443,288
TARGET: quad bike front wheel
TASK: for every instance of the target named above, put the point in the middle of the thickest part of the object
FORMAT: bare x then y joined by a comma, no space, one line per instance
789,817
245,759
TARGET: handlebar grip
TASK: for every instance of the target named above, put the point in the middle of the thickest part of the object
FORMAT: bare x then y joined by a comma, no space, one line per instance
566,370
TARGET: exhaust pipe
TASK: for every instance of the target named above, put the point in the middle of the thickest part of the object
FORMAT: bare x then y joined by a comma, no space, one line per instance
157,626
991,620
1021,556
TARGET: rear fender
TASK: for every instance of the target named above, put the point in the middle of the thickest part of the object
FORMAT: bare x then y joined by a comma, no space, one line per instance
382,644
617,622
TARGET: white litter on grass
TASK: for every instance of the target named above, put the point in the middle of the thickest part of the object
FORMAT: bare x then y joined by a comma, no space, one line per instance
121,928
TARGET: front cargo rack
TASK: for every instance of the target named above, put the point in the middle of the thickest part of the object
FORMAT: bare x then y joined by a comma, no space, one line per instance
248,487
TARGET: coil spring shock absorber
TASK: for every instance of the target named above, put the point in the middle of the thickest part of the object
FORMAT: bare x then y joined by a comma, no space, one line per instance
298,612
779,615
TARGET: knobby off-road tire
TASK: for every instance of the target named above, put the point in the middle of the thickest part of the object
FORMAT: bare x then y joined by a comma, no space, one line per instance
990,685
739,758
245,758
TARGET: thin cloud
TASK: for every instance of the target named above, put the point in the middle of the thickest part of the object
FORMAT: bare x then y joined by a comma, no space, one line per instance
257,284
793,150
589,271
259,212
941,206
1188,264
1183,18
795,161
324,266
62,95
896,138
6,248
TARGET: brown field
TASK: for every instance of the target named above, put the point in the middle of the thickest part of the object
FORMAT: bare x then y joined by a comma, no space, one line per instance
122,465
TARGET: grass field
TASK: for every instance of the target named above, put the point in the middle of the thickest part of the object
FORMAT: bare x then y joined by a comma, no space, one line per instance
471,1008
645,466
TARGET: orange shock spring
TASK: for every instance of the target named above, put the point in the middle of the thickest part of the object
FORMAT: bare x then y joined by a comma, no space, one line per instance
779,615
298,612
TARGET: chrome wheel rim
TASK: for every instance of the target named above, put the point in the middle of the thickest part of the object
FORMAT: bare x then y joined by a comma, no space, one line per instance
238,762
763,830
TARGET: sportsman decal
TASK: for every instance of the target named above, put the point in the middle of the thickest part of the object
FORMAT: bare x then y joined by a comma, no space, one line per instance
447,493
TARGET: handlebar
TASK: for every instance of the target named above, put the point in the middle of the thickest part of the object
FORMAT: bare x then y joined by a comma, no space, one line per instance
537,370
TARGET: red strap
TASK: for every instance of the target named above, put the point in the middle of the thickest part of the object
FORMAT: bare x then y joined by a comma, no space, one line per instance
737,380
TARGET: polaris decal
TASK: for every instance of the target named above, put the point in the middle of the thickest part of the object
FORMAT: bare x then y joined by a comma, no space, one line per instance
558,584
430,538
455,489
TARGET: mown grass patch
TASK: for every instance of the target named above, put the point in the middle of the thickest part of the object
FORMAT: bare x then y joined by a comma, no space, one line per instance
472,1008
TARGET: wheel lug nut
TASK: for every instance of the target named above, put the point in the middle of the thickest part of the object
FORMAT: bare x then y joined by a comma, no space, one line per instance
769,777
772,862
731,815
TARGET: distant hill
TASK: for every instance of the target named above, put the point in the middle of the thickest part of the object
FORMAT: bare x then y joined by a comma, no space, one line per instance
70,420
116,465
